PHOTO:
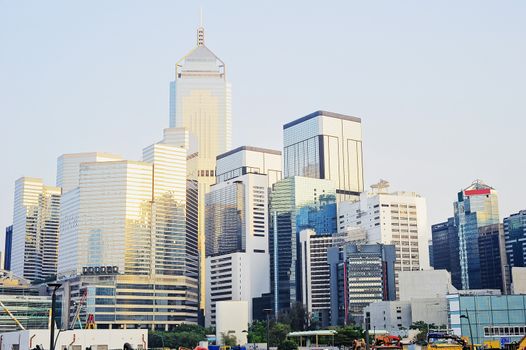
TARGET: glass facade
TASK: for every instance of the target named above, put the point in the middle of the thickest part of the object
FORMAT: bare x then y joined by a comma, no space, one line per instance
287,198
445,250
225,229
492,256
477,206
515,233
7,247
360,275
500,317
200,102
35,229
325,145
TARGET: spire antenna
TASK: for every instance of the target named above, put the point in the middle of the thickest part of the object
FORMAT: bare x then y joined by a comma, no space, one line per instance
201,30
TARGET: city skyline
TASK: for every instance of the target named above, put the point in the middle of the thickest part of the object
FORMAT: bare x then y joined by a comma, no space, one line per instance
393,157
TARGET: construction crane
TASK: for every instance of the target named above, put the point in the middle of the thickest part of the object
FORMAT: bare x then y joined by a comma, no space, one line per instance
12,316
77,311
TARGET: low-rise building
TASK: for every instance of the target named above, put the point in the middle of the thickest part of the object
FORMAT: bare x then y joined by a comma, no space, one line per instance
232,320
392,316
488,317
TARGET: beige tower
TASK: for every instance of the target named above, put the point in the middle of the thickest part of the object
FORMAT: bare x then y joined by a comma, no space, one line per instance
200,102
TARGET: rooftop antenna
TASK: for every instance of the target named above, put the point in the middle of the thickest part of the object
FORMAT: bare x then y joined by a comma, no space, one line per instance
200,30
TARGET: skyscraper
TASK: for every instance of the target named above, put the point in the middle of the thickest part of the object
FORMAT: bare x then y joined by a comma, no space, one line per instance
200,102
237,256
445,250
397,218
494,269
477,206
125,233
359,275
8,247
35,229
326,145
515,233
287,198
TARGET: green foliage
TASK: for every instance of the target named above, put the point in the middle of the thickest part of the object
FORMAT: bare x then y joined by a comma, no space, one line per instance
423,328
228,339
278,333
185,335
257,332
296,317
347,334
288,345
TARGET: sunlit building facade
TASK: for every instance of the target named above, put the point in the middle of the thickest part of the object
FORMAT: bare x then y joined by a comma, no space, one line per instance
200,102
36,219
326,145
477,206
132,216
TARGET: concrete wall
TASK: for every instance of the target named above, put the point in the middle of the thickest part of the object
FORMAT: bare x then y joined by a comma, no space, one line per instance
429,310
112,338
424,284
390,316
518,275
232,318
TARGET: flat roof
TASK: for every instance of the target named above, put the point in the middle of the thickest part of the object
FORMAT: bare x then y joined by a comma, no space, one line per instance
322,113
321,332
248,148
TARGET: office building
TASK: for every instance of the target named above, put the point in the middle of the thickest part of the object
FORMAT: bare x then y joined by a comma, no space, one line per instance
227,325
35,229
494,269
321,220
288,197
326,145
68,166
237,262
24,303
200,102
491,317
124,230
359,275
249,160
445,250
237,242
515,234
477,206
315,275
397,218
8,247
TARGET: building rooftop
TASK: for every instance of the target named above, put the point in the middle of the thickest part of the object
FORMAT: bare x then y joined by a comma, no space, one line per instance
248,148
322,113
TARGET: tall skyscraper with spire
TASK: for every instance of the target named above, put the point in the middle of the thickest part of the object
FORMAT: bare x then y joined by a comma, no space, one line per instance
200,102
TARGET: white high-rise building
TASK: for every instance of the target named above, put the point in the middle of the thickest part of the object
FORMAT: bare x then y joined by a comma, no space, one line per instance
398,218
238,261
200,102
35,229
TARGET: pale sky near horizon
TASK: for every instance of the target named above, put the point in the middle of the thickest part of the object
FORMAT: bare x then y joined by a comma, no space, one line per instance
440,86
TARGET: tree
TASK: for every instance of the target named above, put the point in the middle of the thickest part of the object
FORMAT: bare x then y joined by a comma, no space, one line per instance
423,328
257,332
278,333
296,317
184,335
228,339
288,344
347,334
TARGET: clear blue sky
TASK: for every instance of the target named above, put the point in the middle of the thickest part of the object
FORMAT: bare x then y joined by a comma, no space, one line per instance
440,86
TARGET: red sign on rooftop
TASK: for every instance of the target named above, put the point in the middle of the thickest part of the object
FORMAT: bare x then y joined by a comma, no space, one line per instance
477,192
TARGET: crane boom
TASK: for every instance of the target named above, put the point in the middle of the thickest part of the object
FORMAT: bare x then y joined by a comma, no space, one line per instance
12,316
